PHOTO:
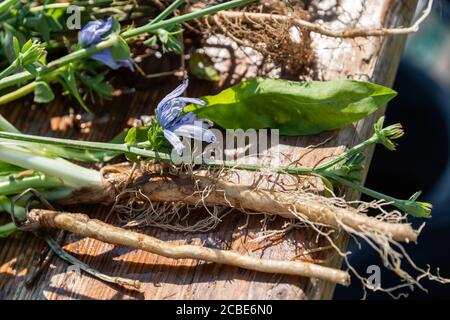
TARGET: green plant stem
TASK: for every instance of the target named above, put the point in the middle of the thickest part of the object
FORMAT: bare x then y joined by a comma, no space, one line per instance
50,195
348,153
359,187
77,3
135,150
183,18
150,27
5,125
71,174
171,8
17,94
17,184
9,70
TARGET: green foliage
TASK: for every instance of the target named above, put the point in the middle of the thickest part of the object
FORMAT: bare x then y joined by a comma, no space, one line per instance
201,66
169,38
68,81
121,50
96,86
134,136
295,108
43,93
149,136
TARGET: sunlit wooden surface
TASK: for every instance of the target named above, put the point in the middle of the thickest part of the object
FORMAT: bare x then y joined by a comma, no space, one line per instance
374,59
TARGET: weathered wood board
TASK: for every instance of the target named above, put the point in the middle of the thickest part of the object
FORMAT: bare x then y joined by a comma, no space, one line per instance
374,59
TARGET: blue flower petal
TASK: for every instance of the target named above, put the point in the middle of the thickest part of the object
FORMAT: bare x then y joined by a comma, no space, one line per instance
93,32
174,141
106,58
175,123
169,112
192,100
197,132
174,94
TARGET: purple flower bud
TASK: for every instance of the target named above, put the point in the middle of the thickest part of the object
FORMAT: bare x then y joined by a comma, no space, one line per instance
175,123
91,34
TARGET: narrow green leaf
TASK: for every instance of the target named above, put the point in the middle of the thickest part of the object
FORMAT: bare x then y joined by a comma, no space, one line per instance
69,82
295,108
16,46
25,47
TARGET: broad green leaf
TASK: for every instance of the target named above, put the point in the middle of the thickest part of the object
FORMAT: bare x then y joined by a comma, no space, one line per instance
43,93
134,136
295,108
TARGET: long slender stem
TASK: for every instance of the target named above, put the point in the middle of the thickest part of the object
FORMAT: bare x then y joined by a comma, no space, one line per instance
171,8
73,175
123,148
10,69
16,184
348,153
64,5
150,27
183,18
412,207
17,94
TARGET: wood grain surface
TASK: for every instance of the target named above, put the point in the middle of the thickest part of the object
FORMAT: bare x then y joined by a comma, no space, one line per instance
374,59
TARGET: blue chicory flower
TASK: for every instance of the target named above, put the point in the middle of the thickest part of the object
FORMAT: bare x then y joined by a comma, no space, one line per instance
92,34
175,123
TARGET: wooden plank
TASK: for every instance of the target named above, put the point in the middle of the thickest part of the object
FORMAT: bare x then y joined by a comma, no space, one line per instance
374,59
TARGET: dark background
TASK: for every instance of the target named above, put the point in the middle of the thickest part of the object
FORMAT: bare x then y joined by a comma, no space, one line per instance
422,159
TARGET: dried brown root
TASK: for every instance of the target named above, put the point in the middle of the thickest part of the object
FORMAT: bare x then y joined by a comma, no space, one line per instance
279,45
84,226
317,28
199,188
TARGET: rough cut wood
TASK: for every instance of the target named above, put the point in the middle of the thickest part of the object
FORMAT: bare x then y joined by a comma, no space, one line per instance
374,59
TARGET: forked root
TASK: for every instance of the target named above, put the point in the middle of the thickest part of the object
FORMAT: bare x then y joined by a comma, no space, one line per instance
84,226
